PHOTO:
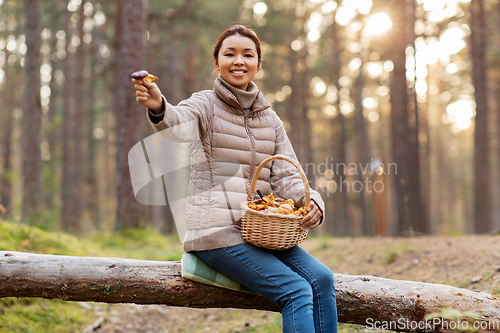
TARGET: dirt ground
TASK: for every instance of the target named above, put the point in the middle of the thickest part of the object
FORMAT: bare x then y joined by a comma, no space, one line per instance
471,262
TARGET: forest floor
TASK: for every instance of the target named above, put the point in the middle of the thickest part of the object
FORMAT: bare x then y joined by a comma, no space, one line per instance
471,262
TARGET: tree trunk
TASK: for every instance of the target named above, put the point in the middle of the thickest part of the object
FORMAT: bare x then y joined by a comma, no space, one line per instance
497,207
399,118
364,300
52,130
67,129
418,213
129,213
79,125
363,151
32,113
340,141
481,134
191,52
8,122
92,193
305,148
174,92
294,100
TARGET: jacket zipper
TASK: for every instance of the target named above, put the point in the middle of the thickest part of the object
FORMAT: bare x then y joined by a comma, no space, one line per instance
252,145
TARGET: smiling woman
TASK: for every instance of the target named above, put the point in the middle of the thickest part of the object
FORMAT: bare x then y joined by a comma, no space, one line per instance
237,56
236,127
238,61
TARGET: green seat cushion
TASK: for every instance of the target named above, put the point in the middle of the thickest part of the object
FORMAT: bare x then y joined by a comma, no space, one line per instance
195,269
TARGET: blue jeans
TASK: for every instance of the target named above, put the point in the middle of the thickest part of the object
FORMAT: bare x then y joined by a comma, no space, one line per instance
293,279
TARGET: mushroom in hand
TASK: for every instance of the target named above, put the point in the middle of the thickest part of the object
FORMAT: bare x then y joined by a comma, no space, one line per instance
144,75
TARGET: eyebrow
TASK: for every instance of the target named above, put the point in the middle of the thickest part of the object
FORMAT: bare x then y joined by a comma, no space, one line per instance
233,49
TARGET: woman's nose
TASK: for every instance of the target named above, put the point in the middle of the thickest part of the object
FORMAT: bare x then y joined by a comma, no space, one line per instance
238,60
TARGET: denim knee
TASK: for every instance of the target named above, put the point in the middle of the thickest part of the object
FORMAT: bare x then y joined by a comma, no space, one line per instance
325,279
301,294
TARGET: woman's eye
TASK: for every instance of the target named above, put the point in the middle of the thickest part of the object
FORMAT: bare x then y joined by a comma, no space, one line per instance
249,55
228,54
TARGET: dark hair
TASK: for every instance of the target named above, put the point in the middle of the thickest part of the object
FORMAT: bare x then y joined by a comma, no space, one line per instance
237,29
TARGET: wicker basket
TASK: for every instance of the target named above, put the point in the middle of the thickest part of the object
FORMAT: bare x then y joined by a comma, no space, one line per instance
270,230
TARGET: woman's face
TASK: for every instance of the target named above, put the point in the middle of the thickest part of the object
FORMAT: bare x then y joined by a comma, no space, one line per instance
238,61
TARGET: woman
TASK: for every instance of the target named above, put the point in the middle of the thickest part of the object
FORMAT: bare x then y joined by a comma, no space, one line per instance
237,127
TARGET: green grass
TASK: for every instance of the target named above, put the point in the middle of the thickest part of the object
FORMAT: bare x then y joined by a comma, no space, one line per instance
41,315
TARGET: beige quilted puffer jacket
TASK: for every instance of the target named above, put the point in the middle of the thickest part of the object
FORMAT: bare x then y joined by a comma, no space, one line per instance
226,146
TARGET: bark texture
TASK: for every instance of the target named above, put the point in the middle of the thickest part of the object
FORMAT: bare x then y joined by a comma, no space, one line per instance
114,280
482,180
129,213
339,128
67,144
32,113
7,125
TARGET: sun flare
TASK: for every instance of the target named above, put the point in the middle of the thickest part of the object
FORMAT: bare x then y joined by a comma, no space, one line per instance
378,24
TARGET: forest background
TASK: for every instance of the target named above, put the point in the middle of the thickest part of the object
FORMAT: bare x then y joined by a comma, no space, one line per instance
392,106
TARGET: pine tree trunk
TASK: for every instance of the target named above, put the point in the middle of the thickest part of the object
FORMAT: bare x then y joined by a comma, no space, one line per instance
174,84
340,131
67,130
497,207
79,124
32,113
294,105
129,213
418,215
305,147
191,53
363,152
478,27
399,118
52,130
92,193
8,122
365,300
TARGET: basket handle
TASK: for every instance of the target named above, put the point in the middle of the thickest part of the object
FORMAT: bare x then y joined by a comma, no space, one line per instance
296,164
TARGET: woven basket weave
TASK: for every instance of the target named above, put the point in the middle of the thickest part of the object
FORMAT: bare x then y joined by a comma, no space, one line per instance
270,230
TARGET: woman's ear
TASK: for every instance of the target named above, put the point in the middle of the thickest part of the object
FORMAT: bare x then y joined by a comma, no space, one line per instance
216,65
260,65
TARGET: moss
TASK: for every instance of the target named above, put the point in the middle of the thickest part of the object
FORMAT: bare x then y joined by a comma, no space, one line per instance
140,244
21,237
40,315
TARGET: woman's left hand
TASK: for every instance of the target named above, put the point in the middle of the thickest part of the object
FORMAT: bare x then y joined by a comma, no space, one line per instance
313,216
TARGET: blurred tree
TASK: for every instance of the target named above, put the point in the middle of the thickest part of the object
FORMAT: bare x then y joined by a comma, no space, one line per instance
420,222
32,113
129,213
405,155
68,221
478,41
399,114
8,122
339,127
79,169
497,80
362,144
93,196
51,127
497,200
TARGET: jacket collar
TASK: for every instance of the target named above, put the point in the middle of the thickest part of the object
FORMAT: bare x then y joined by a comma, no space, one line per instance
238,99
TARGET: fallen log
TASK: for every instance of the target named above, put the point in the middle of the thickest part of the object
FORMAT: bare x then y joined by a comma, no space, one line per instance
365,300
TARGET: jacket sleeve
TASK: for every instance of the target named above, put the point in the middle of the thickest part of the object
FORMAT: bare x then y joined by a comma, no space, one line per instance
188,120
286,181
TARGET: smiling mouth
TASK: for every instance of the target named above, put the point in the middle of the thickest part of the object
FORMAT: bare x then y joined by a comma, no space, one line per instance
238,72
